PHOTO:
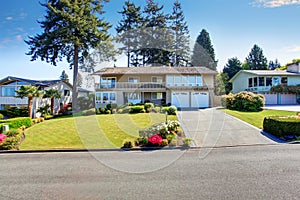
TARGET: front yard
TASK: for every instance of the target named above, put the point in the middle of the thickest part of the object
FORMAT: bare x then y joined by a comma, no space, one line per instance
257,118
96,131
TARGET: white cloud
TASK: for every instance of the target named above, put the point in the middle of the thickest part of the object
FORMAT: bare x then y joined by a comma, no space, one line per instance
274,3
292,49
9,18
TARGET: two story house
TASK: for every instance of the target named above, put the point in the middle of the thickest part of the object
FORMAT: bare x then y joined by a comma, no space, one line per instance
183,87
261,82
9,85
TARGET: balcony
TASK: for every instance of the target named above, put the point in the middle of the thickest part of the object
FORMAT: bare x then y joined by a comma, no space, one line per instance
144,86
259,89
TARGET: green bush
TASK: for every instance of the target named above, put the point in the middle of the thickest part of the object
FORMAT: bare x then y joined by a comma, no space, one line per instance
165,142
172,110
11,143
282,126
187,141
16,123
136,109
1,116
126,109
127,144
148,107
13,112
243,101
157,109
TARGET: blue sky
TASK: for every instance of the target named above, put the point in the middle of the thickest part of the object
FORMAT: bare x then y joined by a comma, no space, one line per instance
234,27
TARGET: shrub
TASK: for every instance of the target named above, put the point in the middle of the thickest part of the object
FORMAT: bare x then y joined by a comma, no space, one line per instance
282,126
172,110
11,143
108,112
180,132
243,101
12,112
126,109
164,142
148,107
141,141
1,116
187,141
120,111
157,109
16,123
127,144
136,109
155,140
173,142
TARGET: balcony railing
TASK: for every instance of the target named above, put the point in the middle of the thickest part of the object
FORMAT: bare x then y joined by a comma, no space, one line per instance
127,85
259,89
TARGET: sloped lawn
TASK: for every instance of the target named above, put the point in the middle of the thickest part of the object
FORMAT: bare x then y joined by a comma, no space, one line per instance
257,118
96,131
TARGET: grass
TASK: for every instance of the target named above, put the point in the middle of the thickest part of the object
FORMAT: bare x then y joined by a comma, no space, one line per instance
257,118
96,131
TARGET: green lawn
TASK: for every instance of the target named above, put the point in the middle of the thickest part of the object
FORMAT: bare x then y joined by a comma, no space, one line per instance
96,131
257,118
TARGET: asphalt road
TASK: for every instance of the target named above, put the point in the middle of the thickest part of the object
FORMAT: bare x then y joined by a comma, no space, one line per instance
249,172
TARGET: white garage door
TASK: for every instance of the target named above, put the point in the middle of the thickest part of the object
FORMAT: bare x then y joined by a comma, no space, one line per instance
287,99
200,100
270,99
181,99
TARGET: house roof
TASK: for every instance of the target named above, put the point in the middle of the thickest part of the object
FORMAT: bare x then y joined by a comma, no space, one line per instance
42,83
154,70
265,73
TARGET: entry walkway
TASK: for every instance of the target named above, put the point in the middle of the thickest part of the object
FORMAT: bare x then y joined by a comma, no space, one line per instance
214,128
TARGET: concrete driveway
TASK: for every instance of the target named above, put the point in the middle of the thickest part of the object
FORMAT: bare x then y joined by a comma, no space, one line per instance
214,128
295,108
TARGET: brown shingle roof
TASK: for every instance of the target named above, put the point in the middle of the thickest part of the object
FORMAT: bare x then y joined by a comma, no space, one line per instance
155,70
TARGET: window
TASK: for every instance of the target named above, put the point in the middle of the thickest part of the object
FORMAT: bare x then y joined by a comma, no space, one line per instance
134,98
192,81
185,80
108,82
8,91
284,80
177,80
156,95
133,80
112,96
98,96
199,81
255,81
269,81
157,79
105,97
66,92
276,81
170,80
261,81
250,82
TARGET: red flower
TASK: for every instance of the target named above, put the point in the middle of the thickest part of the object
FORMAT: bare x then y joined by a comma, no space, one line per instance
155,140
2,137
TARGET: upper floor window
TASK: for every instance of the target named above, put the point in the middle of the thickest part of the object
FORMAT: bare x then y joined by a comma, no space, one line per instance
8,91
108,82
133,80
284,80
268,81
250,82
184,80
261,81
157,79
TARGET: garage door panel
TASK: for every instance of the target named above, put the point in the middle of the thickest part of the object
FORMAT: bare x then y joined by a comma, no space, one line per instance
288,99
181,99
270,99
200,100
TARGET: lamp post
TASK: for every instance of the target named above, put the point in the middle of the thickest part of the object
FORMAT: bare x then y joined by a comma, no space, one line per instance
166,117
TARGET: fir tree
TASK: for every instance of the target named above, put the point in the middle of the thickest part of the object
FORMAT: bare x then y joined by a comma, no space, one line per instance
64,76
232,67
256,59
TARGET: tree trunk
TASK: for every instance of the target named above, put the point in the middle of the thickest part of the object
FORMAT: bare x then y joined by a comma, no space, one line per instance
52,105
30,107
75,74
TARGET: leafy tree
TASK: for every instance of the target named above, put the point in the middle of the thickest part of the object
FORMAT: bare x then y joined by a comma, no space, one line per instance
274,65
246,66
203,52
127,28
232,67
64,76
222,84
29,92
71,29
256,59
181,35
52,94
79,80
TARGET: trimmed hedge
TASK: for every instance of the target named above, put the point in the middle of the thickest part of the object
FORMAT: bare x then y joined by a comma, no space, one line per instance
282,126
16,123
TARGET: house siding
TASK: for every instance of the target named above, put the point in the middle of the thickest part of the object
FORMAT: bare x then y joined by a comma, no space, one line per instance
240,83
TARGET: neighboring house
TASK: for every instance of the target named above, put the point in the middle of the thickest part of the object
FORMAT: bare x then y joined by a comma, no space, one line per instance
184,87
10,84
82,92
261,82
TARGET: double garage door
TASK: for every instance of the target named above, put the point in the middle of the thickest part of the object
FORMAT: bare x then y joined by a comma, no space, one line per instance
280,99
190,99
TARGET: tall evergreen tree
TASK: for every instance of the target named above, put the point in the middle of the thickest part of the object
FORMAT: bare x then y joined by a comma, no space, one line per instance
232,67
181,36
70,29
256,59
157,40
128,29
274,65
64,76
204,53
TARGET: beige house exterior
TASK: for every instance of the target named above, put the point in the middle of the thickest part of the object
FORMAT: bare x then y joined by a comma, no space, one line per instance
183,87
261,82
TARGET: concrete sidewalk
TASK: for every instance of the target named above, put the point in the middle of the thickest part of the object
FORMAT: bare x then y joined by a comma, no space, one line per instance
295,108
214,128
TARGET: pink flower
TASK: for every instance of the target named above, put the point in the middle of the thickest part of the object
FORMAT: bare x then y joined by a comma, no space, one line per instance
2,137
155,140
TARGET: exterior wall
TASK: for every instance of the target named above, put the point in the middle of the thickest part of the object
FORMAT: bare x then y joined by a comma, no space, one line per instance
240,83
294,68
208,80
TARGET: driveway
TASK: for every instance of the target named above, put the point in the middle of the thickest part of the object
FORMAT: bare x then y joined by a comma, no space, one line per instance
214,128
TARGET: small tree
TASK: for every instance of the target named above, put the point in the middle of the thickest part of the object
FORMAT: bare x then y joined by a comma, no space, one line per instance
256,59
30,92
52,94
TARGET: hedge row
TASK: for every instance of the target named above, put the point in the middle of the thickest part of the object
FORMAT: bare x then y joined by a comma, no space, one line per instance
18,122
282,126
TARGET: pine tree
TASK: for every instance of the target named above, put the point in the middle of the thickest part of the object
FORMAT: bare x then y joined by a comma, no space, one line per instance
274,65
128,29
204,53
181,36
64,76
232,67
256,59
71,28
